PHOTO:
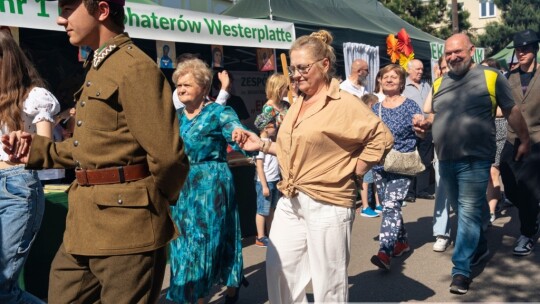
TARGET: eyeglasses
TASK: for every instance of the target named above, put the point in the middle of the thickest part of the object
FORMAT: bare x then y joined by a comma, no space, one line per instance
303,69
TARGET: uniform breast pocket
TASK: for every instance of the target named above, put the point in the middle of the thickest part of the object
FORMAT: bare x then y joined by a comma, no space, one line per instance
102,108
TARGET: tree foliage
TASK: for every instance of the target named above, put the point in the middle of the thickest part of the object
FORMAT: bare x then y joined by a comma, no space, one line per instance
421,14
464,25
516,15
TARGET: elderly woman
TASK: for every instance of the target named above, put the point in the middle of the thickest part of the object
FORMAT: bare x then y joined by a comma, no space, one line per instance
208,250
327,139
397,112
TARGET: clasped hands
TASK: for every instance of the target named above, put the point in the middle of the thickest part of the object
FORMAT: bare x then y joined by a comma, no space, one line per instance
420,125
247,140
17,146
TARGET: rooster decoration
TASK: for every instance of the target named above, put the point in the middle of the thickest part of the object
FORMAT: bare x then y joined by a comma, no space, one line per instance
400,48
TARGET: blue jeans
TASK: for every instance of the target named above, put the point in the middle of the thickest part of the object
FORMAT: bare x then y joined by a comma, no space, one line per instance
465,181
264,203
22,203
441,212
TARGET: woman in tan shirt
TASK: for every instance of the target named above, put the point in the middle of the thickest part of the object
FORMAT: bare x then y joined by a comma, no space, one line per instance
327,138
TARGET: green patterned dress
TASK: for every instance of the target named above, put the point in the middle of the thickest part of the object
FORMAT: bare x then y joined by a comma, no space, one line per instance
209,249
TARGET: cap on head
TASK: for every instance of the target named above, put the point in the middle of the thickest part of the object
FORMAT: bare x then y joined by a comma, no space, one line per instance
524,38
118,2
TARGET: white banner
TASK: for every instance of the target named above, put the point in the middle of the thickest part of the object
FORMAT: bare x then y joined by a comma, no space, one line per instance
163,23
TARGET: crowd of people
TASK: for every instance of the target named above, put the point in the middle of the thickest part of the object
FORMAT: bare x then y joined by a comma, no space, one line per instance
159,187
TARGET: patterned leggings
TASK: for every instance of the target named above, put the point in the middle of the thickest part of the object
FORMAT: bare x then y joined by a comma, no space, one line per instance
392,189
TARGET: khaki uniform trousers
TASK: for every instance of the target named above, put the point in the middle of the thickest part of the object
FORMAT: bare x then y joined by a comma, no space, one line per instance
129,279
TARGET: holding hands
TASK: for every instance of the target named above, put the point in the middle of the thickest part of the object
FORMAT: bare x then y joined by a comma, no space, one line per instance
247,140
420,125
17,146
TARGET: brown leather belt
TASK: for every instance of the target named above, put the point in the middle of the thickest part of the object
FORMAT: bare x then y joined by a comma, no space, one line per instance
114,175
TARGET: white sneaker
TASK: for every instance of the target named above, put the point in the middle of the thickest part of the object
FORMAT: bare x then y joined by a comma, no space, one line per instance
440,244
523,246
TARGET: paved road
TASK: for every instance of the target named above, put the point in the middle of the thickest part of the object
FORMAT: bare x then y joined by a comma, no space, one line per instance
421,274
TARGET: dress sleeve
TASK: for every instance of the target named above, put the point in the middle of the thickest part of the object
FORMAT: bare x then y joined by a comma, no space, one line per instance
228,120
41,105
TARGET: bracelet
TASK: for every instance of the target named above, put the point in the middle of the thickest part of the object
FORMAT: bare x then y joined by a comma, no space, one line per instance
261,145
267,147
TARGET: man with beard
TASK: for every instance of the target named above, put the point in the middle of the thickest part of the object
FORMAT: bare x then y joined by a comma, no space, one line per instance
418,90
464,103
355,84
521,178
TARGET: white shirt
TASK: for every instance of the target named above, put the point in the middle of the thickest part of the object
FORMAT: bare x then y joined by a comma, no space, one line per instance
220,99
270,166
348,86
40,105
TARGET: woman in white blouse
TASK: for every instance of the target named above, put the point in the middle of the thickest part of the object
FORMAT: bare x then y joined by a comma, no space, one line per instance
24,105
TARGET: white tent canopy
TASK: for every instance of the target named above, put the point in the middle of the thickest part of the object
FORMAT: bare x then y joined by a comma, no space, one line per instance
162,23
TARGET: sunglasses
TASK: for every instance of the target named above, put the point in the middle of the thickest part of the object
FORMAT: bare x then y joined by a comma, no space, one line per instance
303,69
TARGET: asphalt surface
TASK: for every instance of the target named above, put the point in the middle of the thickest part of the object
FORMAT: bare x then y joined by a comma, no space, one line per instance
419,275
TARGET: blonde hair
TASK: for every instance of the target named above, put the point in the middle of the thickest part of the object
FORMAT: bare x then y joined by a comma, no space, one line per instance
274,86
200,71
319,45
370,99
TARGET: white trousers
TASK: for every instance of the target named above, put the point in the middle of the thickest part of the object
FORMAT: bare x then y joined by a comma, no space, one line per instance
309,240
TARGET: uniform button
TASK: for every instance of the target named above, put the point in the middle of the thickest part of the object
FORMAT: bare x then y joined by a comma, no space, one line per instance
120,201
76,143
83,103
98,93
79,123
77,164
88,83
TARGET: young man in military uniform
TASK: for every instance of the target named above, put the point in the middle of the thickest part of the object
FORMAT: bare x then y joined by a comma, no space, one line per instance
130,166
520,177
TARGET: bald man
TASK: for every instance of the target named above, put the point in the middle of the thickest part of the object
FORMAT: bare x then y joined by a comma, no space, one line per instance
464,136
355,84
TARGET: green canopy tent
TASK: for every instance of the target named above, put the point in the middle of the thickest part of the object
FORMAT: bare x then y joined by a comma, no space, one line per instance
361,21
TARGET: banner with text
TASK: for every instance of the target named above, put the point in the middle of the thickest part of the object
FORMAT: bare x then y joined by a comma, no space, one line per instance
163,23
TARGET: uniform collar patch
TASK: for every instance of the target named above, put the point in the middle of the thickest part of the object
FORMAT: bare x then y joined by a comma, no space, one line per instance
101,55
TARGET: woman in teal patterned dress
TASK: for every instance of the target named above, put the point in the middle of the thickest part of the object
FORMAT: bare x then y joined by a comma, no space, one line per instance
209,249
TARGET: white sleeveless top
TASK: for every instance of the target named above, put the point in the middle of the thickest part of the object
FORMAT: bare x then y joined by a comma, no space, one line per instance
40,105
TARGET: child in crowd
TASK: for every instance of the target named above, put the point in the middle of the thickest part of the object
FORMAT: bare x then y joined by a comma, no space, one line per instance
266,181
367,184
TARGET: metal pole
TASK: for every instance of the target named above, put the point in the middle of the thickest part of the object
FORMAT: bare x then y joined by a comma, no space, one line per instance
455,17
272,18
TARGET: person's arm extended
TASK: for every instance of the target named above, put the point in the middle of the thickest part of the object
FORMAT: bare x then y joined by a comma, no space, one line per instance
223,94
45,128
518,124
362,167
262,177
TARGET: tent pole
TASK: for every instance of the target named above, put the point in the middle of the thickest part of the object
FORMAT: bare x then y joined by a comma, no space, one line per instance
272,18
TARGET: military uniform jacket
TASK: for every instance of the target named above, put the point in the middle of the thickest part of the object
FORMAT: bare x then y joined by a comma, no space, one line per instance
528,104
124,116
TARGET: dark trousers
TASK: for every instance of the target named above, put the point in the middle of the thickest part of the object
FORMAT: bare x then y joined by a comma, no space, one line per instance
420,183
522,185
134,278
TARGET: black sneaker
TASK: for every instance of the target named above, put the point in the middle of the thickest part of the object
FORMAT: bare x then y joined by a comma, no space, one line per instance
460,284
410,199
478,257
